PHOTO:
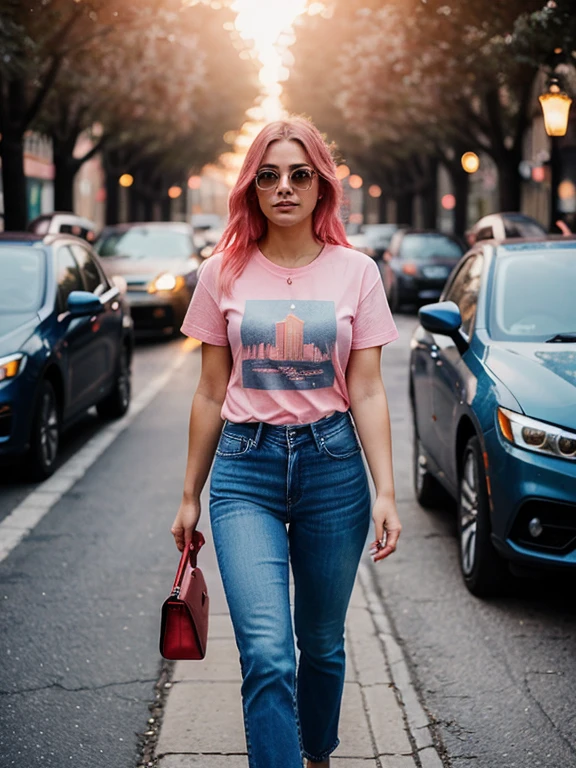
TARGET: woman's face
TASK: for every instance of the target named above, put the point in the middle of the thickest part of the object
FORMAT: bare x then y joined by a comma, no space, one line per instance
284,205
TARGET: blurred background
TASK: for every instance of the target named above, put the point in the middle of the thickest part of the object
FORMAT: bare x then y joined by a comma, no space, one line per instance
141,110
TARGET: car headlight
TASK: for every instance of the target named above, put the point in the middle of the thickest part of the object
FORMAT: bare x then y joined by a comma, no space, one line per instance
536,435
11,365
166,282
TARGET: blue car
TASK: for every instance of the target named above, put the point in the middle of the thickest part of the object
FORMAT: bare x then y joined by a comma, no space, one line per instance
493,393
66,343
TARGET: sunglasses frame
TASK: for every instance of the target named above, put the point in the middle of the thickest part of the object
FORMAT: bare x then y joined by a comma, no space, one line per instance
312,172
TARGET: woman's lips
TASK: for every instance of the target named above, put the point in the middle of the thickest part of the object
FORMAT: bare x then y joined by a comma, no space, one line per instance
285,205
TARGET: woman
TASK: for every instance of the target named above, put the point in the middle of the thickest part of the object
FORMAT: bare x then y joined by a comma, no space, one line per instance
292,322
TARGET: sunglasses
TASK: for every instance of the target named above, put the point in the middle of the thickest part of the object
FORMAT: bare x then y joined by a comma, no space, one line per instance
300,179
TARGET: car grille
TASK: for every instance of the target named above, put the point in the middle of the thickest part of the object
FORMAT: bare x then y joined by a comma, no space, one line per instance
558,526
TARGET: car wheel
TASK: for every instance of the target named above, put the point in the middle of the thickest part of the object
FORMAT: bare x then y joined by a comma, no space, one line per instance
45,435
483,570
429,493
115,405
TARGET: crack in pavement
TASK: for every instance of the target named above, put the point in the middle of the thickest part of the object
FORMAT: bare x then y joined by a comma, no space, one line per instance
75,690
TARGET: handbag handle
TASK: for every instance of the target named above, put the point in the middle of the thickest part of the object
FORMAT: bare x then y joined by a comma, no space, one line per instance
191,553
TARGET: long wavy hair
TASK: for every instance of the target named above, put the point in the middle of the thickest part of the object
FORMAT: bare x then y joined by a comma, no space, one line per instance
247,224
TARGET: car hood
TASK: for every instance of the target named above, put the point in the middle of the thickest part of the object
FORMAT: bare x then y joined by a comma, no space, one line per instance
15,329
145,269
542,378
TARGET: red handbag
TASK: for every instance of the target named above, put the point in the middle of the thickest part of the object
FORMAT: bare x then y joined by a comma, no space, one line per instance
184,627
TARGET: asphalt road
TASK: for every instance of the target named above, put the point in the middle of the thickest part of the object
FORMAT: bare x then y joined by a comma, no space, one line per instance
80,599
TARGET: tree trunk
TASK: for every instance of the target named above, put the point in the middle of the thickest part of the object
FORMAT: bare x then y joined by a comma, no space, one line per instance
405,208
14,181
148,204
382,208
461,186
166,207
430,197
509,182
64,174
112,198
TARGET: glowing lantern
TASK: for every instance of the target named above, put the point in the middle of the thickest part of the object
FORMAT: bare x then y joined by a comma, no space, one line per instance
556,107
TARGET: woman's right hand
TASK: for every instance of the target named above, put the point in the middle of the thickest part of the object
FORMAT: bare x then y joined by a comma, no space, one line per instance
185,522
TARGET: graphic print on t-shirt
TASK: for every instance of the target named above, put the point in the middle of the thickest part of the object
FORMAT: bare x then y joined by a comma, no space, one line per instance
288,344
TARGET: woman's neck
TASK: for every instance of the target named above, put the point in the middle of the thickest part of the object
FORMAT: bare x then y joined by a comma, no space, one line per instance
291,246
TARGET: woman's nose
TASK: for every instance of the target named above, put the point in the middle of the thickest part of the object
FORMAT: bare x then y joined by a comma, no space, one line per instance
284,184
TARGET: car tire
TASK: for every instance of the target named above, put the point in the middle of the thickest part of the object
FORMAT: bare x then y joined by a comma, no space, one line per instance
428,491
45,435
483,570
115,404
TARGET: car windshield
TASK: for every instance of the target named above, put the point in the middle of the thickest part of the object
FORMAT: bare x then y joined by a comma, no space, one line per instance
519,226
146,243
22,277
533,293
429,246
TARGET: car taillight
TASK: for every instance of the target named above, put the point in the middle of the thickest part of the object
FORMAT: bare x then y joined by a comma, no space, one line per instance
410,269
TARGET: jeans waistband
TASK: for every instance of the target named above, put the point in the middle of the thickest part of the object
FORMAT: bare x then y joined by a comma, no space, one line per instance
323,428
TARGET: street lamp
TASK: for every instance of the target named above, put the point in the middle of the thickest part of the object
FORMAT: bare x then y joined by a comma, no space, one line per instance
556,108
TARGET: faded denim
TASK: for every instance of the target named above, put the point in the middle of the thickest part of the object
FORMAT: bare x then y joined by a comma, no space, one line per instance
290,495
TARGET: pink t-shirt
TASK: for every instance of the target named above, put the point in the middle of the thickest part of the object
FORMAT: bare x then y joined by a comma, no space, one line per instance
291,331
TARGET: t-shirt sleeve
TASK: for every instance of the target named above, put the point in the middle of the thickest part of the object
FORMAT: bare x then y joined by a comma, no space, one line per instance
373,325
204,320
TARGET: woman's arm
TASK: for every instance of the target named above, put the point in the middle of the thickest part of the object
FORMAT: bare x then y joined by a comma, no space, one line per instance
203,434
369,407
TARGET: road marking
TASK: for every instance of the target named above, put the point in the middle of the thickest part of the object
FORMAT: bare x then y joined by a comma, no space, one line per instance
32,509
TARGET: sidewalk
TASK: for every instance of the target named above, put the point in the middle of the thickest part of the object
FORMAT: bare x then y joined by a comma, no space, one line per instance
382,725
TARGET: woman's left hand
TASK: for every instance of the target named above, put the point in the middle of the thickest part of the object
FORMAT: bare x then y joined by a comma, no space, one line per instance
387,528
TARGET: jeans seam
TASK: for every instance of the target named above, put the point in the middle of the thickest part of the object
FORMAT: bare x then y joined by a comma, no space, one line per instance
323,755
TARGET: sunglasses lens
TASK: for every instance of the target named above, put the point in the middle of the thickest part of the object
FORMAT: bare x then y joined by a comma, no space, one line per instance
266,180
302,178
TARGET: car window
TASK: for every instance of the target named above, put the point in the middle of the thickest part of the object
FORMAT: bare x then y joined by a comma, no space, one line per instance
22,278
146,243
428,246
69,278
93,279
533,293
464,289
485,233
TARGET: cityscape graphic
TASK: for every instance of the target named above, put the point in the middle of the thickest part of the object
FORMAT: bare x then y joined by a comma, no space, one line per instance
288,345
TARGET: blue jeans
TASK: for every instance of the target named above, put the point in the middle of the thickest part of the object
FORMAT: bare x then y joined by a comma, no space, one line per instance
281,495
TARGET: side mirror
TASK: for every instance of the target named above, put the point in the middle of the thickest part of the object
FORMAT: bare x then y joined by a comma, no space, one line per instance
120,283
444,318
84,303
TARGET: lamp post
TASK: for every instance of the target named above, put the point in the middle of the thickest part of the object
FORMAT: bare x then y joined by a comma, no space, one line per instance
556,109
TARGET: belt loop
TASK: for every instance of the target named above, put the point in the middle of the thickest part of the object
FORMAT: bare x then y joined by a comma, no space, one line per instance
258,435
316,435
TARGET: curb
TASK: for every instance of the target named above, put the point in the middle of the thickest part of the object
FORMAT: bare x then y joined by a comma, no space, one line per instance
419,726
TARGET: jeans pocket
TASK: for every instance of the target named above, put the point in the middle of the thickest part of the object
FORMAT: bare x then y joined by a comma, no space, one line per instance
232,446
341,444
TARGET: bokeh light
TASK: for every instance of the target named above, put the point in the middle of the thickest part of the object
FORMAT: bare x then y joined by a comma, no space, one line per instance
174,192
375,191
448,202
194,182
342,172
355,181
470,162
126,180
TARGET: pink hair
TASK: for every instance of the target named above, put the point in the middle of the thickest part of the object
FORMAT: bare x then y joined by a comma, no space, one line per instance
247,224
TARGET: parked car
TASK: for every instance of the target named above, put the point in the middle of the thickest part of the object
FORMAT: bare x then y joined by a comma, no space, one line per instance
159,263
66,344
493,393
64,223
417,264
499,226
380,235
